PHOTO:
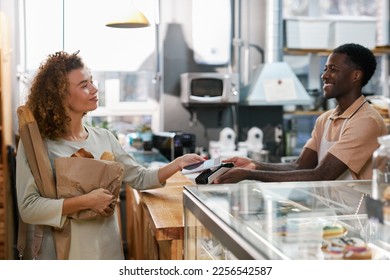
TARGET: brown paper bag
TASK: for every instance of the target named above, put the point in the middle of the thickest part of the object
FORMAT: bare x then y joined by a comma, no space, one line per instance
77,176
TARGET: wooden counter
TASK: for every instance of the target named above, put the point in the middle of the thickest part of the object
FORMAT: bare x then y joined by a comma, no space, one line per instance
155,224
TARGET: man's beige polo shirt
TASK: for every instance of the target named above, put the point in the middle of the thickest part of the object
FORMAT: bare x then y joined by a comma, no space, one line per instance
358,140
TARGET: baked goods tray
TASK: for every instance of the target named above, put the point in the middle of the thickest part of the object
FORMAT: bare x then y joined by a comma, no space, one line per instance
302,236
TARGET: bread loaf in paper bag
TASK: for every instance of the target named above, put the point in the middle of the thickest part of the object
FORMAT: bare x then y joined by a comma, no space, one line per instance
77,175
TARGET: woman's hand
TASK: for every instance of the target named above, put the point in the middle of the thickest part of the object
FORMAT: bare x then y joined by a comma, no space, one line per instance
188,159
101,201
177,164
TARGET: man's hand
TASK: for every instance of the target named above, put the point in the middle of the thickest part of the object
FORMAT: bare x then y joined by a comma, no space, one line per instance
233,175
242,162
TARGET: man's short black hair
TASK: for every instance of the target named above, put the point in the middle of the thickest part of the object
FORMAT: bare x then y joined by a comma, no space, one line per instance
361,57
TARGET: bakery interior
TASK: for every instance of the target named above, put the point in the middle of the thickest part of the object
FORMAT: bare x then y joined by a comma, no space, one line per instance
189,78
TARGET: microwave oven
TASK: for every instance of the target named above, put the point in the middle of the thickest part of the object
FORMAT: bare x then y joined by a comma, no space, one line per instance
208,88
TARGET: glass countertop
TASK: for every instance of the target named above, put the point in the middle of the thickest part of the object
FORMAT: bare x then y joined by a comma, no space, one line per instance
288,218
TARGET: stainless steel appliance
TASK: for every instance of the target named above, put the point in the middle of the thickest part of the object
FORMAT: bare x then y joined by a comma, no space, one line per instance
209,88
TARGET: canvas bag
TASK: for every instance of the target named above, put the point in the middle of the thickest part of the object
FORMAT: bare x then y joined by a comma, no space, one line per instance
39,163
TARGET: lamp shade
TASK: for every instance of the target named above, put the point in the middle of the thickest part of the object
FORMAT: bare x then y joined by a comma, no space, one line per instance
135,20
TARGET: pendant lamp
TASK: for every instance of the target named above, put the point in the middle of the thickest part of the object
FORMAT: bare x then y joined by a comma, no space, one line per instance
136,19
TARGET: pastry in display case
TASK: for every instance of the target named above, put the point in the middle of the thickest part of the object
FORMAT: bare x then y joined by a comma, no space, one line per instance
324,220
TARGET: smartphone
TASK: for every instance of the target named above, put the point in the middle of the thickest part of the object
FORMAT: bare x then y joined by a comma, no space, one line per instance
201,166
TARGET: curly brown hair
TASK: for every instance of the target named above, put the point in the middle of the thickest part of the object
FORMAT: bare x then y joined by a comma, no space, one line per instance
49,91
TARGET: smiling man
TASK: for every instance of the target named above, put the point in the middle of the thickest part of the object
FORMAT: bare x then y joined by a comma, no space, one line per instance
343,139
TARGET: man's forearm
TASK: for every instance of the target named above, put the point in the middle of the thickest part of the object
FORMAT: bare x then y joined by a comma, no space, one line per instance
278,176
267,166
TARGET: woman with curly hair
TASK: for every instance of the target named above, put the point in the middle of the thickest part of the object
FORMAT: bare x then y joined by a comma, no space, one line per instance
61,94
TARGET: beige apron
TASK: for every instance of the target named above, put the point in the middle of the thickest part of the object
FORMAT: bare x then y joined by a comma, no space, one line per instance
326,145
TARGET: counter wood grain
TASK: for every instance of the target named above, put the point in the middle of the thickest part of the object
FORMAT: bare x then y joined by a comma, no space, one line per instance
155,220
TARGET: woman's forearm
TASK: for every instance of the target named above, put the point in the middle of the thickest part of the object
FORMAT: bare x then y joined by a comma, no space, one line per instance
74,205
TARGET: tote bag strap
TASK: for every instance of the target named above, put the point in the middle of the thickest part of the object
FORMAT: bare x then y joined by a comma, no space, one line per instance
38,160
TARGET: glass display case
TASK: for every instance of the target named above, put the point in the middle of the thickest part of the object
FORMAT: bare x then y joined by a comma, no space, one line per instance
149,158
294,220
